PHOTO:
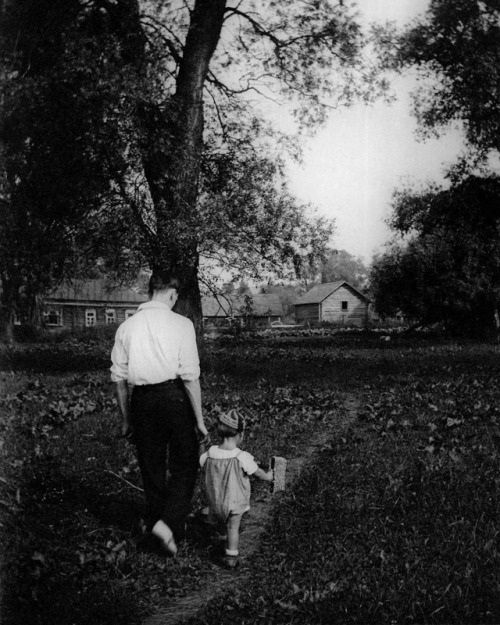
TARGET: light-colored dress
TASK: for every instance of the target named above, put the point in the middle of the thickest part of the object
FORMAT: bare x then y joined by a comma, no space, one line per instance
227,485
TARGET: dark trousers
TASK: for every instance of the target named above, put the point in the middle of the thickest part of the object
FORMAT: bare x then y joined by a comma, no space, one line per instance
164,430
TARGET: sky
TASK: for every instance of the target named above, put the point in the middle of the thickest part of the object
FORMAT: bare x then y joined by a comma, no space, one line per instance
354,163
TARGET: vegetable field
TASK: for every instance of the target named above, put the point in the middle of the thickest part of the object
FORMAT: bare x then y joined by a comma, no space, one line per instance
392,517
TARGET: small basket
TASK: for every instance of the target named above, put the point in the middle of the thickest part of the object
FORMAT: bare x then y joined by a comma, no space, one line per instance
278,467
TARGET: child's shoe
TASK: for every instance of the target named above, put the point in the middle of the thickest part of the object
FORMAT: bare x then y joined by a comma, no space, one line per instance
230,562
220,533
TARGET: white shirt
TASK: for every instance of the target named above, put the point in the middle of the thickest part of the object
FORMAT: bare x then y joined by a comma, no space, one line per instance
245,459
155,345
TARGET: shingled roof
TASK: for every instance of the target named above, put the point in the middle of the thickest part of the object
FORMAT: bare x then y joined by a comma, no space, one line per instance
267,304
321,291
96,291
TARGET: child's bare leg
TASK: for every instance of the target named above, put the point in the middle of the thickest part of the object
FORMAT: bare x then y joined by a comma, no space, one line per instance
233,533
231,559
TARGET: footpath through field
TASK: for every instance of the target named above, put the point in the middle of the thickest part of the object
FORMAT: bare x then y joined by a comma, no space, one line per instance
256,522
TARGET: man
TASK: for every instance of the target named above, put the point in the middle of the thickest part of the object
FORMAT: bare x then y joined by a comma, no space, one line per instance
155,353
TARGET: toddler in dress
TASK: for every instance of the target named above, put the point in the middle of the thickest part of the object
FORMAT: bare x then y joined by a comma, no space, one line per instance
227,485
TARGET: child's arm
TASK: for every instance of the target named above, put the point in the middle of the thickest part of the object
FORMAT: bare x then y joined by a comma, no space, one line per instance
252,468
267,476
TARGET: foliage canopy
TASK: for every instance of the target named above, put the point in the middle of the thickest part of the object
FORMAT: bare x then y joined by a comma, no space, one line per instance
449,270
455,49
162,139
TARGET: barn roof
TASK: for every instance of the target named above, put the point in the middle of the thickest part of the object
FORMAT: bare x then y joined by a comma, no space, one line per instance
96,291
263,305
321,291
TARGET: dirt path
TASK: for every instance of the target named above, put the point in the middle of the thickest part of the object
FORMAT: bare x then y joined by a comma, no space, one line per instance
256,522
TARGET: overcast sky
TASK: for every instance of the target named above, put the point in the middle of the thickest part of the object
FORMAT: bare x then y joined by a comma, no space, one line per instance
353,164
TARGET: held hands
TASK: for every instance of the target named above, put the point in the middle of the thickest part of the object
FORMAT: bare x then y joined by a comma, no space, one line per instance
202,433
204,439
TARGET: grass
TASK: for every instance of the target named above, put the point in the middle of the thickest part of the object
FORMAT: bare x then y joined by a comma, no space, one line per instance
393,521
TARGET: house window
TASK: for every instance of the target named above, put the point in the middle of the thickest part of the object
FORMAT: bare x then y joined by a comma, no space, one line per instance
53,317
344,305
110,316
129,313
90,317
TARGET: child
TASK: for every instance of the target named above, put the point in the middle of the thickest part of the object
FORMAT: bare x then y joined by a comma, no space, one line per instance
227,483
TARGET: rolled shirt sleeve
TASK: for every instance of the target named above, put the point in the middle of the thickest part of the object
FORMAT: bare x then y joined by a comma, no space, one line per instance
119,359
189,362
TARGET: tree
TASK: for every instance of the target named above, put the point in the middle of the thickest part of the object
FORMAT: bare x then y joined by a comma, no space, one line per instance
341,265
451,263
59,87
157,78
449,271
288,294
252,225
418,280
455,49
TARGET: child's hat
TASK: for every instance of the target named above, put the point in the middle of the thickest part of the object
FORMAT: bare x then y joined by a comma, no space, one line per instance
232,419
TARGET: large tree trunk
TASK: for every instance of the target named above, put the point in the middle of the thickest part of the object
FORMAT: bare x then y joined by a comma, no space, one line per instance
6,325
172,144
8,307
175,186
201,42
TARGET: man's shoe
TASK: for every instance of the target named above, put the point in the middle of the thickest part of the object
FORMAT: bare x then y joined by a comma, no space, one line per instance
162,531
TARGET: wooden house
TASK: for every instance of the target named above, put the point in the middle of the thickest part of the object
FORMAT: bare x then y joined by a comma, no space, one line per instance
256,309
84,304
335,302
87,303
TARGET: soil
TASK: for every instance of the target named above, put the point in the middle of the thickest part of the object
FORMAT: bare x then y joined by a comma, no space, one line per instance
255,523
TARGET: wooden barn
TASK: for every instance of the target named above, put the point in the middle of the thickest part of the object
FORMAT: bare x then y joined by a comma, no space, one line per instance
257,309
335,302
87,303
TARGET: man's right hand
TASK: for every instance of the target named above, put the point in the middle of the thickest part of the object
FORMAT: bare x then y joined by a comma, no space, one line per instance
203,437
127,432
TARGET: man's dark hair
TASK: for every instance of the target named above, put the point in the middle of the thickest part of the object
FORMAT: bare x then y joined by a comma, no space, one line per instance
161,281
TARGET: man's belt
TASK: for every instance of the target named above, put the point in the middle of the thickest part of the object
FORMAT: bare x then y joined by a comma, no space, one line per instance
159,384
